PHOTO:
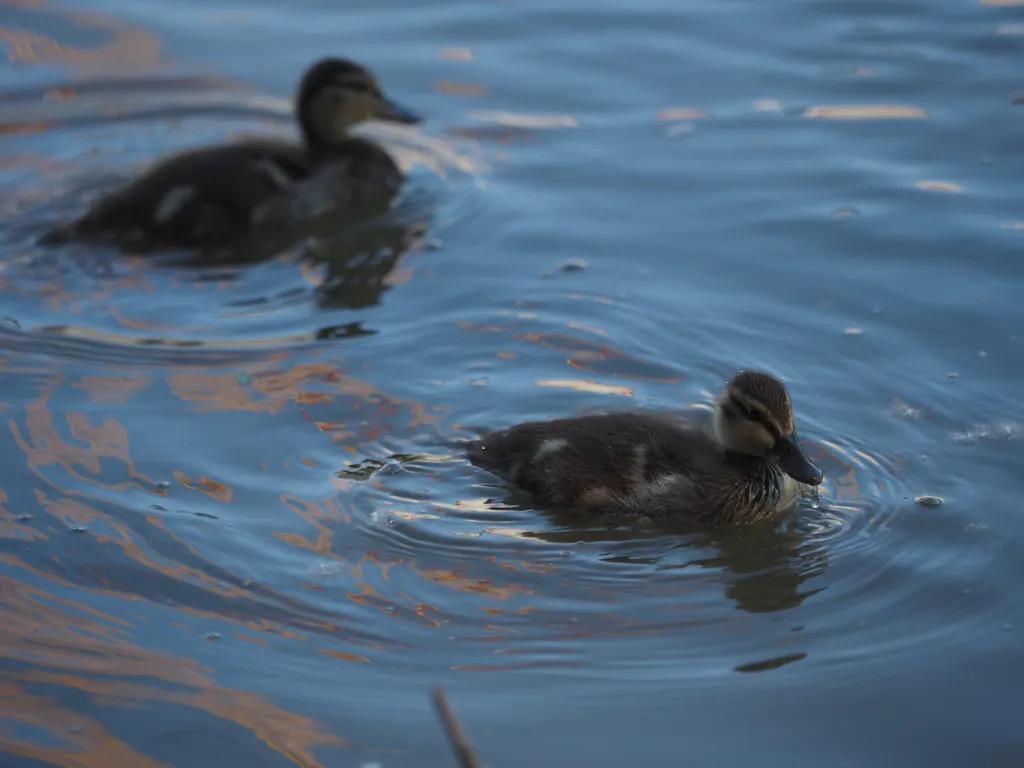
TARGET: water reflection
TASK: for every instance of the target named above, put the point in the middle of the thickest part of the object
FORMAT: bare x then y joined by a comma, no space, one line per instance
766,564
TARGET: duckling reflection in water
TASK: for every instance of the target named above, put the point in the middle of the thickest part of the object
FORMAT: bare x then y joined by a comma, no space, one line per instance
215,195
633,464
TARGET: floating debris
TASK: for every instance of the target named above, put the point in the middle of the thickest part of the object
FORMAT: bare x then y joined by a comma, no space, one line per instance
901,409
1010,430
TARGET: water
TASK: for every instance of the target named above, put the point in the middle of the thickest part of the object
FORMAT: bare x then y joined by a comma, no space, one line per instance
236,528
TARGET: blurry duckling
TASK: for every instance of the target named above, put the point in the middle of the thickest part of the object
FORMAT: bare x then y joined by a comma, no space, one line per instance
749,466
214,195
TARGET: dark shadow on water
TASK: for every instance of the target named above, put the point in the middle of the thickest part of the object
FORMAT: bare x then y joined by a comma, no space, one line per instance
767,563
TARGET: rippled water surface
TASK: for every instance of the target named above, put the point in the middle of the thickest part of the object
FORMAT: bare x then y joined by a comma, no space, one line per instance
236,526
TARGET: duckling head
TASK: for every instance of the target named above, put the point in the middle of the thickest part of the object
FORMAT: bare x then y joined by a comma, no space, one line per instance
753,416
336,94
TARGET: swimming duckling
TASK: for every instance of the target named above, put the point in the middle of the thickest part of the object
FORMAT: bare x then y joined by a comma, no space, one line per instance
213,195
635,464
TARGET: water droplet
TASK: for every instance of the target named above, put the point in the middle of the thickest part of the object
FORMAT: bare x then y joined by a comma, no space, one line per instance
212,636
929,501
246,584
78,529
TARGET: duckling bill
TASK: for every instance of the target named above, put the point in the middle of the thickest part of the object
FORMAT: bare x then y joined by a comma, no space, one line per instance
745,469
214,195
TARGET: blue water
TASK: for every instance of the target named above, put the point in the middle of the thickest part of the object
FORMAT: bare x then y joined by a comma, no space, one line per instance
236,527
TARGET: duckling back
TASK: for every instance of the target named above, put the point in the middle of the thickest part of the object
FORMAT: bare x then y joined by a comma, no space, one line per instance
213,196
632,465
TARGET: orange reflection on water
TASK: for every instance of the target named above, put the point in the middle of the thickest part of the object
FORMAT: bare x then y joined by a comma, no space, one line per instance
279,388
57,641
86,743
44,447
11,527
313,513
113,390
211,488
128,48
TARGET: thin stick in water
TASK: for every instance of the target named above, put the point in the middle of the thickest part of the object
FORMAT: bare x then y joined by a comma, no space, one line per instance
456,736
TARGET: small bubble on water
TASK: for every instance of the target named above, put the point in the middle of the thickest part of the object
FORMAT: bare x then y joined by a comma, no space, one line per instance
212,636
982,353
246,584
929,501
78,529
24,517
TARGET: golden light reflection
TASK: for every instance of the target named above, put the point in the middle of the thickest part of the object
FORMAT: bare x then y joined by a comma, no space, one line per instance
44,447
513,120
457,54
459,89
14,526
682,113
271,390
866,112
69,644
128,48
113,390
212,488
938,186
585,385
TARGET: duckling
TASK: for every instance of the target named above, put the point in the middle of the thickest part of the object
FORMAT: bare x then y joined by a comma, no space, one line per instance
214,195
746,468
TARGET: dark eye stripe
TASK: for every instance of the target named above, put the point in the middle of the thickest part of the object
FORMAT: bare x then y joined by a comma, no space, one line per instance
754,415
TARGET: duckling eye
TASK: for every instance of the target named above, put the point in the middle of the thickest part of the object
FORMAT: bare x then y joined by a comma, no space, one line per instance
751,414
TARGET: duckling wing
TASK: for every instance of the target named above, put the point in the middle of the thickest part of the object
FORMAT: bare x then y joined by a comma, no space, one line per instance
611,462
196,197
